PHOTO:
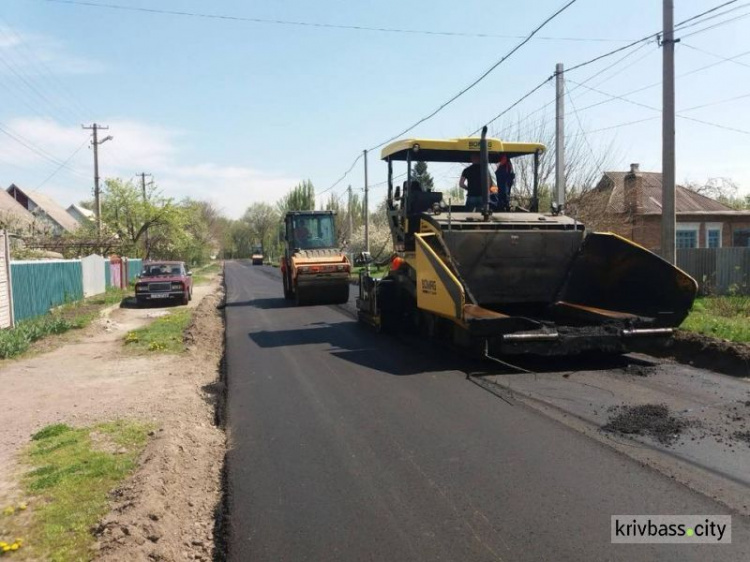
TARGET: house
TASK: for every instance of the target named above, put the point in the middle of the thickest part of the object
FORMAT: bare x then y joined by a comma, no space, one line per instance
45,209
14,217
629,204
80,214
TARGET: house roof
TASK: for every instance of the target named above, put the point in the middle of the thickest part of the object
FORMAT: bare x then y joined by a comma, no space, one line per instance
649,197
51,208
82,211
9,207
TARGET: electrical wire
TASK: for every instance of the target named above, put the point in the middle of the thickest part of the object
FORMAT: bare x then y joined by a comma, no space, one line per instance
723,58
482,77
322,25
63,164
639,104
36,150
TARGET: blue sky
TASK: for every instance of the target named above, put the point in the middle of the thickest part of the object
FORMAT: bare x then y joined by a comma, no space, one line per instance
237,112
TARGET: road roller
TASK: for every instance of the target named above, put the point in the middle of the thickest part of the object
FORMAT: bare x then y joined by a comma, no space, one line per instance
314,269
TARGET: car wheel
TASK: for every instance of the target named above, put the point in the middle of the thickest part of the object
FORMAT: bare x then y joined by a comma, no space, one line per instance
185,298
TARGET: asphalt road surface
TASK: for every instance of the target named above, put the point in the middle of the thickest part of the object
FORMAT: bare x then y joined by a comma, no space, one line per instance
347,445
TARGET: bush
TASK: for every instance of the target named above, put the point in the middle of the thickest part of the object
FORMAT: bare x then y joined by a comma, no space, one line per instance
16,341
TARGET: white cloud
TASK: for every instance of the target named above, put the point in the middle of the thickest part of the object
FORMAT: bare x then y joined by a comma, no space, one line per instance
33,53
135,147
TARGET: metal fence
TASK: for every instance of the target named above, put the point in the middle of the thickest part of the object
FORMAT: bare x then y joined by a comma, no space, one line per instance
41,285
718,271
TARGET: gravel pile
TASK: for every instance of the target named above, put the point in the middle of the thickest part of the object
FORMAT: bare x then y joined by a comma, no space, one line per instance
653,420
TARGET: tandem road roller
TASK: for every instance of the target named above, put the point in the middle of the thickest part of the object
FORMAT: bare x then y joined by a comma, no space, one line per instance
516,281
313,268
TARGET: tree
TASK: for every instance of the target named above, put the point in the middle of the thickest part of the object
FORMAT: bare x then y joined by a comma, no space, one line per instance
723,190
423,176
263,221
584,162
300,198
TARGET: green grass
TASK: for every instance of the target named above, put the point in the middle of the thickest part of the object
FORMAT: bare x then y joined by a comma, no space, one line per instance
375,271
205,274
163,334
722,317
72,316
70,478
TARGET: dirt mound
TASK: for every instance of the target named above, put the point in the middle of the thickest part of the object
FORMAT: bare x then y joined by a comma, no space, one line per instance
168,509
653,420
705,352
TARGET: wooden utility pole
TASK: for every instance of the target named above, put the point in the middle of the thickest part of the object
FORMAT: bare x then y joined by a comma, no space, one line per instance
668,214
367,208
349,212
560,137
145,199
97,193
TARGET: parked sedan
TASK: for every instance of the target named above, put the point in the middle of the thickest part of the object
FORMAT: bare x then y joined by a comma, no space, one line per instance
164,280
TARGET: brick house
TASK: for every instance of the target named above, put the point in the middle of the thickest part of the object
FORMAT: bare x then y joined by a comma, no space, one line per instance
629,204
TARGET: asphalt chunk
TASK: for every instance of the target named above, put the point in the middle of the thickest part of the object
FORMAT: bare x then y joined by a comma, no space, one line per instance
652,420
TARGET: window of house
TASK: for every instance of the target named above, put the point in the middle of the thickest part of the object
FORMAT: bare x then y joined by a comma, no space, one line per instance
741,237
713,234
687,235
686,239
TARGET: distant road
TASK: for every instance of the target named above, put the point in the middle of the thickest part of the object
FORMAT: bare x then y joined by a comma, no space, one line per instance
347,445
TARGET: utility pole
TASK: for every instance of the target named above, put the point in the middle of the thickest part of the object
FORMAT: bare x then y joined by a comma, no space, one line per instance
560,137
145,199
367,208
349,212
668,215
97,193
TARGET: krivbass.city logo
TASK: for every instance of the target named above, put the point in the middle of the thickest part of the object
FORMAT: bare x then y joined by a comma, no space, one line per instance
674,529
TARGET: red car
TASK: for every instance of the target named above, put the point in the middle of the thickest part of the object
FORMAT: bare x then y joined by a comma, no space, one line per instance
164,280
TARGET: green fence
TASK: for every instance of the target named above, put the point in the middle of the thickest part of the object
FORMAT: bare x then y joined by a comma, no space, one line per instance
107,274
134,269
41,285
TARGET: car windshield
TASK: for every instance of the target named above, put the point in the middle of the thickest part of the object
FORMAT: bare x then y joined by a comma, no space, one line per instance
159,269
314,231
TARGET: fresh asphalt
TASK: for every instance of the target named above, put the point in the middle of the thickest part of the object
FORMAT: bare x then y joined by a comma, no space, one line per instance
348,445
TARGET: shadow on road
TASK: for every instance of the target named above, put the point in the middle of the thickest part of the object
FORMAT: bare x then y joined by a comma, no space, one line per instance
357,344
276,302
131,302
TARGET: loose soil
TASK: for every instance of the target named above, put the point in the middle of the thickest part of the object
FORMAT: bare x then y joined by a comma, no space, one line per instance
653,420
706,352
166,511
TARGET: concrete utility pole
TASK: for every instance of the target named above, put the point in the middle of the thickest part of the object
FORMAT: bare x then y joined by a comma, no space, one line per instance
367,208
145,199
560,136
349,212
97,193
668,215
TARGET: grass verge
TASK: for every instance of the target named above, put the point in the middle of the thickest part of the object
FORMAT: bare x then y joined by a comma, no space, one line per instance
164,334
205,274
72,472
375,271
70,316
721,317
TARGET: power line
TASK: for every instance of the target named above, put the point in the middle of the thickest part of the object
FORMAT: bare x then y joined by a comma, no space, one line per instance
478,80
338,181
723,58
654,84
648,37
63,164
36,150
323,25
580,127
622,98
714,26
